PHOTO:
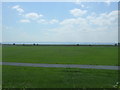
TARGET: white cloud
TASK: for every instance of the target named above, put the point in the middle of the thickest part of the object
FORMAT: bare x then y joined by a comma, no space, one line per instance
74,21
43,21
104,19
18,8
33,15
77,12
108,2
82,6
25,21
53,21
78,2
27,17
94,28
68,21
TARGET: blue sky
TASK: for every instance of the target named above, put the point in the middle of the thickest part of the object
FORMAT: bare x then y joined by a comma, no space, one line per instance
59,22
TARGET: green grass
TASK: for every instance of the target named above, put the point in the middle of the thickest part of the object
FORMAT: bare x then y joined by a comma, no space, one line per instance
41,77
0,53
0,67
0,76
38,77
98,55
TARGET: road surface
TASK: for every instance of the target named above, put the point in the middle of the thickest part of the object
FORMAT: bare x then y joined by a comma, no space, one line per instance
62,65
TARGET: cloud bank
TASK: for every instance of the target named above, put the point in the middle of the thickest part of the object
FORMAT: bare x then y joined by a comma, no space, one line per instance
80,27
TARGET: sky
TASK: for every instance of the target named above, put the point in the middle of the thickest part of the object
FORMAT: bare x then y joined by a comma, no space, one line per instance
60,22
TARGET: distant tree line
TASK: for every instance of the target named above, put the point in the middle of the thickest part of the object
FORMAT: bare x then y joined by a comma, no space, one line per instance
73,45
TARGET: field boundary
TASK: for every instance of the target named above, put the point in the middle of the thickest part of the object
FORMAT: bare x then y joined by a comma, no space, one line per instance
62,65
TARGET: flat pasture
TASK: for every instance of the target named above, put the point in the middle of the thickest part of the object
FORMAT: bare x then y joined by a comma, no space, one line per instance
51,77
89,55
41,77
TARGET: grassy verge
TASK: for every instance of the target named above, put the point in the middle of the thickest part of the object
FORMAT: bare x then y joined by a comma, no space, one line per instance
94,55
0,67
34,77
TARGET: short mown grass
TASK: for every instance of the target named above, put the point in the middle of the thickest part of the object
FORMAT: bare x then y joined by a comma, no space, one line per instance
94,55
39,77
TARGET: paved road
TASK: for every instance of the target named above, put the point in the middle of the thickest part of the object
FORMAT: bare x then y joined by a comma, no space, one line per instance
62,65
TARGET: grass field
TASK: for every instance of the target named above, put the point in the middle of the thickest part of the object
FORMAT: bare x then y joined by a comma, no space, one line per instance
36,77
94,55
0,67
0,53
41,77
